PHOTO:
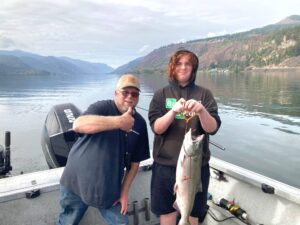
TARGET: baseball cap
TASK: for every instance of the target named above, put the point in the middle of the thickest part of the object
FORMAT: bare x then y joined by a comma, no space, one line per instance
128,80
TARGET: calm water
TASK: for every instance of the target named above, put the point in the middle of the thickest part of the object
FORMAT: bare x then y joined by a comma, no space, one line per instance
260,115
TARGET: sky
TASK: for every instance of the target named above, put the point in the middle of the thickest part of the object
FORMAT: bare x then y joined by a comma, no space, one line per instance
115,32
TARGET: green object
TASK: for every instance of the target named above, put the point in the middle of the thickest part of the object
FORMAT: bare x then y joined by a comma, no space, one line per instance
170,102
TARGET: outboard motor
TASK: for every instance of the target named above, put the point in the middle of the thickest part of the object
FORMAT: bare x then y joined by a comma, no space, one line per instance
5,165
57,135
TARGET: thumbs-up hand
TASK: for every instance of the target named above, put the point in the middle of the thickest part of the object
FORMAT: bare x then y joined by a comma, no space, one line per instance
127,121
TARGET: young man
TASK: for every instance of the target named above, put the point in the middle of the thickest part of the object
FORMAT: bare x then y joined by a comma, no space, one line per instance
166,115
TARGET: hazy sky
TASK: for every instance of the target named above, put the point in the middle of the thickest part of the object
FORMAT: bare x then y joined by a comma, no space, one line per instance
117,31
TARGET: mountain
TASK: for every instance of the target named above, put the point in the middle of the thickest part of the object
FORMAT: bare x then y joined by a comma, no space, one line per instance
20,62
89,67
10,64
127,67
272,46
294,19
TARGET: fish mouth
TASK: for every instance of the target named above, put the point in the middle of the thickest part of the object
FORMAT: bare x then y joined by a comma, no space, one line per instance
197,138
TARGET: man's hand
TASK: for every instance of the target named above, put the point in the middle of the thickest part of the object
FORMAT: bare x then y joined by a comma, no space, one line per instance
124,204
127,121
193,106
179,106
123,201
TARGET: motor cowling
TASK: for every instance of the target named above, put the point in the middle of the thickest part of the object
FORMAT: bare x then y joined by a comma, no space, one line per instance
57,134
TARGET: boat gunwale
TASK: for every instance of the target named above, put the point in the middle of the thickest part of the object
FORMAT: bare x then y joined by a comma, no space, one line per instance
48,180
280,189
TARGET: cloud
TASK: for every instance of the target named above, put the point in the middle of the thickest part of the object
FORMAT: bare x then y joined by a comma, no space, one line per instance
143,49
215,34
113,31
7,43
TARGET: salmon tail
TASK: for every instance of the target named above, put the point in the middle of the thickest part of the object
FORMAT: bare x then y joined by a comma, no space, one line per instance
184,223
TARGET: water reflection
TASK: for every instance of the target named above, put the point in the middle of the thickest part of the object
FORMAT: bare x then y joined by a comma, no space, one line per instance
271,93
260,120
260,115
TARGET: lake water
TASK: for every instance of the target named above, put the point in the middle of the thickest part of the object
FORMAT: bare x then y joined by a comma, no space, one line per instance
260,115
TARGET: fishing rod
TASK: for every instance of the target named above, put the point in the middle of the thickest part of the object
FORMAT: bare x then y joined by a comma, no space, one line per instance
210,141
217,145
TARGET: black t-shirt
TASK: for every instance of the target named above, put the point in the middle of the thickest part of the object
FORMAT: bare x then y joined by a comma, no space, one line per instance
95,165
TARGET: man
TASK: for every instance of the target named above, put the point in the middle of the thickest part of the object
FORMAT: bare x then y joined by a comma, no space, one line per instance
112,135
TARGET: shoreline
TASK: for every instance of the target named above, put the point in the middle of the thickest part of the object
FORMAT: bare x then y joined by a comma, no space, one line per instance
283,69
252,69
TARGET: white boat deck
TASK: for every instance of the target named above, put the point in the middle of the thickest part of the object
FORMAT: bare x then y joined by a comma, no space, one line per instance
280,208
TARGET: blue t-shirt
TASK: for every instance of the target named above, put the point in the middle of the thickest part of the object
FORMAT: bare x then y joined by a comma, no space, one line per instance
95,165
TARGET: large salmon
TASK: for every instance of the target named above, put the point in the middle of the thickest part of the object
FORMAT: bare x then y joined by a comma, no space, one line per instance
188,175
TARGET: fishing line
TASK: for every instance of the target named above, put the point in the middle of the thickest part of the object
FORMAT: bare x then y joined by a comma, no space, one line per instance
142,108
187,117
219,220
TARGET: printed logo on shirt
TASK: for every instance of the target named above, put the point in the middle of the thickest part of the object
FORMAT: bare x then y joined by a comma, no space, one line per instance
170,102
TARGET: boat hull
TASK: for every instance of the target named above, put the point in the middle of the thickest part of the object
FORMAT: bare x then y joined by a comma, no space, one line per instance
227,181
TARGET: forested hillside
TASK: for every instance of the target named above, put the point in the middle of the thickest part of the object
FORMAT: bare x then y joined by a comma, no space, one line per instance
273,46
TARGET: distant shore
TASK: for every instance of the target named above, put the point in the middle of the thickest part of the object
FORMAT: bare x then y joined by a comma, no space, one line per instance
254,69
273,69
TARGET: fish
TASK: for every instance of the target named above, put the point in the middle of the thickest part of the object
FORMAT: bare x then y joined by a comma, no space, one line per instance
188,175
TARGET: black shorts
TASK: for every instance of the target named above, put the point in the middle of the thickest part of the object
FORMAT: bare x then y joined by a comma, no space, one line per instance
162,191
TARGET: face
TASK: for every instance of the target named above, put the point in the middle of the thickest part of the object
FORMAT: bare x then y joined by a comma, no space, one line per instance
126,97
183,70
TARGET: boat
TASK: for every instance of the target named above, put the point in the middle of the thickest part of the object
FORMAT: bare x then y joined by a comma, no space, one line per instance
236,195
33,198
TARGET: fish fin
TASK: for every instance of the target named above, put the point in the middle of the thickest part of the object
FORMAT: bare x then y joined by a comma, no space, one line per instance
181,158
175,206
199,187
175,188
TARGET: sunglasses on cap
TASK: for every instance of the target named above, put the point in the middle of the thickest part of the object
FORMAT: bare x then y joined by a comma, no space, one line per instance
133,94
